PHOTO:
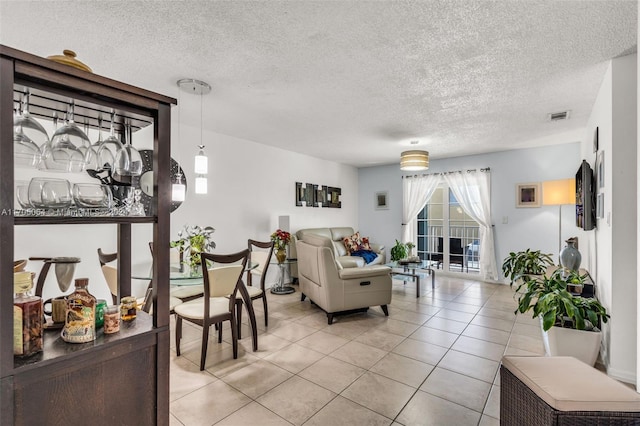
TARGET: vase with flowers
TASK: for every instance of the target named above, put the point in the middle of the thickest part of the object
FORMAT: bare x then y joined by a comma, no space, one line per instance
193,240
280,240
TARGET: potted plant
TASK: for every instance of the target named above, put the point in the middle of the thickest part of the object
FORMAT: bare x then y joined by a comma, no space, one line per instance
398,251
525,264
194,240
569,323
280,240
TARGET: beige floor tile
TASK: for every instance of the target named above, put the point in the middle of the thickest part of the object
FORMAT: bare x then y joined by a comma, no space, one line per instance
490,322
408,316
341,411
480,348
463,307
527,343
415,306
435,336
208,405
454,315
380,394
317,320
293,332
470,365
296,400
400,328
527,319
519,352
527,329
380,339
332,374
267,344
473,300
426,409
432,301
251,415
421,351
448,325
488,334
359,354
348,329
190,333
464,390
294,358
496,313
186,377
402,369
493,403
323,342
488,421
173,421
500,305
257,378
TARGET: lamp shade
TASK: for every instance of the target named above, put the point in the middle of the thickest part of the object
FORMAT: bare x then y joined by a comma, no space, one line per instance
414,160
201,165
559,192
201,185
178,189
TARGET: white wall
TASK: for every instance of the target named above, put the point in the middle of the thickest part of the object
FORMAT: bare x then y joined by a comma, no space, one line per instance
250,185
535,228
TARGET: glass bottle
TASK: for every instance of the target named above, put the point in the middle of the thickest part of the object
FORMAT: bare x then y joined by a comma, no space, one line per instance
80,323
27,317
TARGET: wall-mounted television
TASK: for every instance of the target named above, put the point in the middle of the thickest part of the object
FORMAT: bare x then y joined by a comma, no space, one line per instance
585,198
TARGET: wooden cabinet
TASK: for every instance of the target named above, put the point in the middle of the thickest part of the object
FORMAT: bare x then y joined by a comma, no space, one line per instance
121,378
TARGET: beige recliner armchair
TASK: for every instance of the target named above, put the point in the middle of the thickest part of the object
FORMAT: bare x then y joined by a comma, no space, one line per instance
335,289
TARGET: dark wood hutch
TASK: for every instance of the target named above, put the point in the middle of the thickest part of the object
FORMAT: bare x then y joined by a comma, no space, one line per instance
121,378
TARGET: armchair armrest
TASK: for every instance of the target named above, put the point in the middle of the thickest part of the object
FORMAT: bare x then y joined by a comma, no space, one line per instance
356,273
378,248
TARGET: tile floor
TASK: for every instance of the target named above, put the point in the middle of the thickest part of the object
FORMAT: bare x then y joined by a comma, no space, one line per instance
433,361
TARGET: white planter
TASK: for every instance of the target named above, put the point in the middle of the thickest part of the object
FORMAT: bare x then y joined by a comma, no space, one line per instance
584,345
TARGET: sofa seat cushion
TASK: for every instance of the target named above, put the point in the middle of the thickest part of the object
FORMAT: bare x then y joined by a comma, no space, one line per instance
350,261
567,384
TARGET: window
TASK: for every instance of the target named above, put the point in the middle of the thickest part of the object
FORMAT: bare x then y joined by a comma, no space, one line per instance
447,236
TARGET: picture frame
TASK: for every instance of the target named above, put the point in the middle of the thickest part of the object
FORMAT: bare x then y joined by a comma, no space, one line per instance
300,194
600,170
321,196
310,194
381,200
333,197
528,195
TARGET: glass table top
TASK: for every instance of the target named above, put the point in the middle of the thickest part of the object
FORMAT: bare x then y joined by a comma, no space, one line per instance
186,277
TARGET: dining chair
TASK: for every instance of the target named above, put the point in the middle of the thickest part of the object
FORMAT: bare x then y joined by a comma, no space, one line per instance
218,304
110,276
259,252
184,293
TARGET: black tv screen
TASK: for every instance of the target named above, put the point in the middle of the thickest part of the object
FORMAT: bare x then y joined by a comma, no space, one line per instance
585,199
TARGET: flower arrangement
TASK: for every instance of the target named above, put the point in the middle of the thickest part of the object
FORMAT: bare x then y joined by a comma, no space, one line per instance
194,240
280,239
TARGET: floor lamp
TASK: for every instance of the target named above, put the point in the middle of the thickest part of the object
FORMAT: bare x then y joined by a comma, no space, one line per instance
559,193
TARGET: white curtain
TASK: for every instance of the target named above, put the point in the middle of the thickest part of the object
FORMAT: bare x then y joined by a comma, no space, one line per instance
473,192
416,191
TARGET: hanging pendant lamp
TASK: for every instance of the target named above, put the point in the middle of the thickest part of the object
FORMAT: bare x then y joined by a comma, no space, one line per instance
414,160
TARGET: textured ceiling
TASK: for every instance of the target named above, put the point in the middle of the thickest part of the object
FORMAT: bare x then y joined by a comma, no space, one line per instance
352,81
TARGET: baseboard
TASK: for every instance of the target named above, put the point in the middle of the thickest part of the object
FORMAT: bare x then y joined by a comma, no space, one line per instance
622,375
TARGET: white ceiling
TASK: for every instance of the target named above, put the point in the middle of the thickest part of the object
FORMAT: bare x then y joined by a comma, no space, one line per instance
352,81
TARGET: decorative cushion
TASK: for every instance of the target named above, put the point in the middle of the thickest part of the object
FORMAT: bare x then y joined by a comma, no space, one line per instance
352,243
364,245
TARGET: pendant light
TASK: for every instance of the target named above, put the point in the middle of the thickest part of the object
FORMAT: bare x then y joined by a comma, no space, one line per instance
201,88
178,189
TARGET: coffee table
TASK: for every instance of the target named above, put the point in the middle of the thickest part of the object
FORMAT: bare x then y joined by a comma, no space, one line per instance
413,270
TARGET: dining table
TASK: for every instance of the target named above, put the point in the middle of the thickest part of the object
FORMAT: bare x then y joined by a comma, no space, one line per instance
185,276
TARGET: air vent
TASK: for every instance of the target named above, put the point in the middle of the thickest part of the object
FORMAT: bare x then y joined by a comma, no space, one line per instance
557,116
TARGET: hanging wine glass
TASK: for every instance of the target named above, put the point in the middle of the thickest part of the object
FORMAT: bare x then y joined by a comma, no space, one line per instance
128,161
110,147
25,124
25,151
65,153
90,152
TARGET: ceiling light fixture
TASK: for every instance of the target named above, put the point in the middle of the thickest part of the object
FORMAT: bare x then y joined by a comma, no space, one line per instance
414,160
201,88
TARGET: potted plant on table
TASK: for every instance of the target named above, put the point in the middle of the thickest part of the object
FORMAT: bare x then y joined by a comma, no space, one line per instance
194,240
525,264
398,251
280,240
569,323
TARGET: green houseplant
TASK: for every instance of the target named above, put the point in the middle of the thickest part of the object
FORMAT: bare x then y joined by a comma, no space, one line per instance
569,322
194,240
523,264
398,251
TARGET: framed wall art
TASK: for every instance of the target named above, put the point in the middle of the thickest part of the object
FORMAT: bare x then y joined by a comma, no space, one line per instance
381,200
528,195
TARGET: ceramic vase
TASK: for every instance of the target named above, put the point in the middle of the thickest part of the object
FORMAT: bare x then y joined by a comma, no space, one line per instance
570,257
281,255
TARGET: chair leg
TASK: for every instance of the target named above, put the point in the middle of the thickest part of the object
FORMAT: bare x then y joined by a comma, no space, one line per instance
330,318
205,344
219,332
266,311
239,316
178,333
302,297
234,337
385,310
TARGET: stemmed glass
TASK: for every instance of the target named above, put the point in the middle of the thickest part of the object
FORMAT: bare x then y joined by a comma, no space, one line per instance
63,153
128,161
27,134
109,148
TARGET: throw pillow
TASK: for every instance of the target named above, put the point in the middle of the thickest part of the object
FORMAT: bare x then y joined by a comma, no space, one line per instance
364,245
352,243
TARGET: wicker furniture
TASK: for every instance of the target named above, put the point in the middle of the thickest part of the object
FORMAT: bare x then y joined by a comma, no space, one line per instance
540,391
